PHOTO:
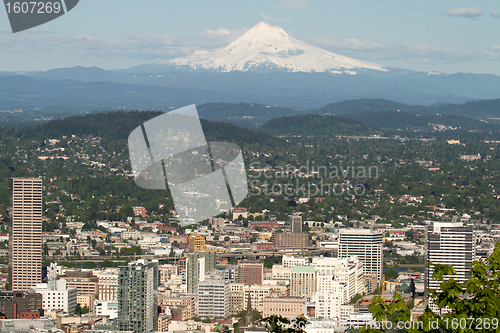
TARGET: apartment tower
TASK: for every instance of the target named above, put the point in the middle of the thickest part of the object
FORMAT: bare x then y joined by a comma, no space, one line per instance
138,297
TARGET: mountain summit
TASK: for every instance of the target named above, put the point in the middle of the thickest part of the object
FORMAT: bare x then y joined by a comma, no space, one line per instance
271,48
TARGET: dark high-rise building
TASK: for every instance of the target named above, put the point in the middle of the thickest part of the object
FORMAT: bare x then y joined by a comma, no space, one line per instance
20,305
197,265
25,244
295,223
138,297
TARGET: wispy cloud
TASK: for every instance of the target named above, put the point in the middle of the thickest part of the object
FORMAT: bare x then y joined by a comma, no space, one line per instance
294,4
472,13
143,47
375,51
494,52
494,14
267,17
348,44
219,31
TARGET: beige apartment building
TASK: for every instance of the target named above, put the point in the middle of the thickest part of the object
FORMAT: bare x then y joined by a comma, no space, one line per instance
239,293
84,281
196,243
289,307
166,271
189,301
25,239
107,286
303,281
86,300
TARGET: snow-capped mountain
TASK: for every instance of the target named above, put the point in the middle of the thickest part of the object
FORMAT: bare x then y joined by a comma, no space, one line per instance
270,47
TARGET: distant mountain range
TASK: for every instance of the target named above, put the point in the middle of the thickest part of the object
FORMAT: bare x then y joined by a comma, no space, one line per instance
264,66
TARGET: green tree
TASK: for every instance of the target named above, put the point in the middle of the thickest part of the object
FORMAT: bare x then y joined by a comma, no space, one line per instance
355,298
127,211
277,324
391,274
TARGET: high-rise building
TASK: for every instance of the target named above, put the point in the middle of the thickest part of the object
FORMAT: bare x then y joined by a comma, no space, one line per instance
367,246
449,243
250,273
138,297
25,245
166,271
213,297
197,265
295,223
346,271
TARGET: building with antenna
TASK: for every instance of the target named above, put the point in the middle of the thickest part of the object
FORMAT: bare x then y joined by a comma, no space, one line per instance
55,294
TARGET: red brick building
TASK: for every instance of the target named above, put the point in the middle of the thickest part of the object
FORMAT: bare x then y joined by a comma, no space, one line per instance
250,273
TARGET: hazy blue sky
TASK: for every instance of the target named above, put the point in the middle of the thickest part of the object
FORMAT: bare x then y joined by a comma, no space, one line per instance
447,36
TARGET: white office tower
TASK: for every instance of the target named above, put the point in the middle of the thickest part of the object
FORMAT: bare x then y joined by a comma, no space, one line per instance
331,294
449,243
347,271
55,294
213,297
367,246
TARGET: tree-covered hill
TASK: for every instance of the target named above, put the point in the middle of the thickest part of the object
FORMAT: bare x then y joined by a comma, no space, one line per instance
243,114
316,125
404,121
117,125
368,105
479,109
